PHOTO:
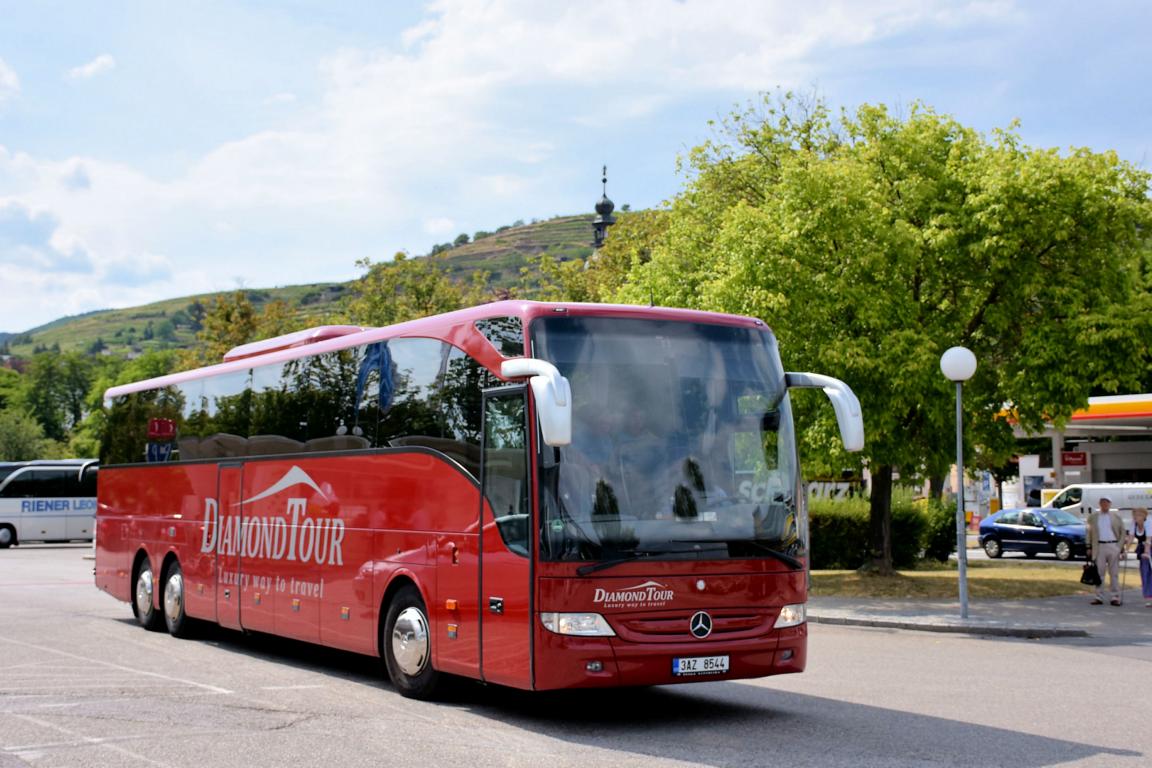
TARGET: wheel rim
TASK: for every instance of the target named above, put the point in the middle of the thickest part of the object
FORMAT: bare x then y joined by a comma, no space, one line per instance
410,645
174,596
992,547
1063,551
5,537
144,591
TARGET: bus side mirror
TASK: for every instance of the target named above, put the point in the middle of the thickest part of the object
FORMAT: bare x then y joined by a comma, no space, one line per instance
552,393
844,403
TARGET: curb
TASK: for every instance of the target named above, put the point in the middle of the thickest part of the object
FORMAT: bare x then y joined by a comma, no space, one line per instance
942,624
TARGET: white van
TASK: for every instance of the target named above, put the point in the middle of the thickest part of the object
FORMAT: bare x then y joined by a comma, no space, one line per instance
1085,497
47,501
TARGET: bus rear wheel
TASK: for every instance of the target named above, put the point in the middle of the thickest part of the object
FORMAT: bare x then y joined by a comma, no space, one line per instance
143,604
7,536
407,646
175,618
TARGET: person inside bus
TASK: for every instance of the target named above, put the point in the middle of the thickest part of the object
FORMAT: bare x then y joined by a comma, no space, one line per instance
589,461
646,474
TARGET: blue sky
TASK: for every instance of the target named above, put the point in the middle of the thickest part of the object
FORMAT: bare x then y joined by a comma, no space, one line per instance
158,149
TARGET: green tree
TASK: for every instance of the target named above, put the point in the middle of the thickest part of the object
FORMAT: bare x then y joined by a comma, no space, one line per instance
84,440
228,322
232,320
406,288
166,330
11,389
21,436
56,389
871,243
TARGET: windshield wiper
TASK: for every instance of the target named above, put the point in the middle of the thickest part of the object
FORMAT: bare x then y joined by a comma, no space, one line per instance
624,557
788,560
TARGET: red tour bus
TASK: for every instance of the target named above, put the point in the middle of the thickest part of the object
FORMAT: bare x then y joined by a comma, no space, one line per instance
537,495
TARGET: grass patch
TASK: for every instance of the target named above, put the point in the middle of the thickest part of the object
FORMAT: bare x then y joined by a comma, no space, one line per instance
988,581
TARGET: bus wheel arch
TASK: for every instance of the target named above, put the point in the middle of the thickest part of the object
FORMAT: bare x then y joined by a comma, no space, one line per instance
144,593
7,536
406,640
172,597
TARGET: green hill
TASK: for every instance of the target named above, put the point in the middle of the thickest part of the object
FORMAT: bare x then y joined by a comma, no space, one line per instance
503,252
173,323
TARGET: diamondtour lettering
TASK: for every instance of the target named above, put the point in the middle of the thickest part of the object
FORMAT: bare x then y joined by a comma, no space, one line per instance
297,536
648,594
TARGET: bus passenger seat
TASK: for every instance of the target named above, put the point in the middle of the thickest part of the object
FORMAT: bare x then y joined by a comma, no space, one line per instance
189,448
337,443
263,445
222,445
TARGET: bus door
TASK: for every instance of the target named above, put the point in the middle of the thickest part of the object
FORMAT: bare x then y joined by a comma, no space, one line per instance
506,608
228,575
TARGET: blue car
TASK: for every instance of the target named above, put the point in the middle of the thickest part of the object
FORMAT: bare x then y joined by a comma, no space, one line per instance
1034,530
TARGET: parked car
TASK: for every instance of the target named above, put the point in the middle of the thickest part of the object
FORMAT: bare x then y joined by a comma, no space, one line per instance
1032,531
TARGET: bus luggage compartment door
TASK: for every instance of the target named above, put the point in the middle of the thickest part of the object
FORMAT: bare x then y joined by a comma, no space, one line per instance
228,496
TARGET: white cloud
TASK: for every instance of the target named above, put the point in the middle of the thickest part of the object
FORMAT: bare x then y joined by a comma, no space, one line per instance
138,269
441,225
9,83
33,240
429,136
98,66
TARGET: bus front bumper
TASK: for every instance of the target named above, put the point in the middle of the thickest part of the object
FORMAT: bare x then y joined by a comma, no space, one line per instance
587,662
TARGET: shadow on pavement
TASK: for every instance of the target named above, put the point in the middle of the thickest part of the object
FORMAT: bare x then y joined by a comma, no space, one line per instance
712,724
725,724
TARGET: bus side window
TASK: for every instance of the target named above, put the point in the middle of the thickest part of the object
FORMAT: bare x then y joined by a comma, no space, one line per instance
43,483
412,413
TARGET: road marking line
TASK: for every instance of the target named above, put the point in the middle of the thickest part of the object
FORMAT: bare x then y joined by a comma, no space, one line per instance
91,740
213,688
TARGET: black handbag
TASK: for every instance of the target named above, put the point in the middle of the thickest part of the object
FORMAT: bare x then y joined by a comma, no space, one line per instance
1091,574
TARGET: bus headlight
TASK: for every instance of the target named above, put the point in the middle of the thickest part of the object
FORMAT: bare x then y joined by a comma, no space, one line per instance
583,624
792,616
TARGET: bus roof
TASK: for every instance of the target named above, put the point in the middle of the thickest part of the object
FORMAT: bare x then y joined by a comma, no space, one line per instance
455,328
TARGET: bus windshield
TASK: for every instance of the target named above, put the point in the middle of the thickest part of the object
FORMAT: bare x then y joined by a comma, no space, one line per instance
682,444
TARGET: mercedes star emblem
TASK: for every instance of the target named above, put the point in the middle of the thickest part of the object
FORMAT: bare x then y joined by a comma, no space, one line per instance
700,625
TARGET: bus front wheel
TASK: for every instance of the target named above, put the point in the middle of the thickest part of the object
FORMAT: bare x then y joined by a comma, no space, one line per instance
407,645
143,604
7,536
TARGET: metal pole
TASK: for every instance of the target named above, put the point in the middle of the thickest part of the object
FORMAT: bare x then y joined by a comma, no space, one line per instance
961,529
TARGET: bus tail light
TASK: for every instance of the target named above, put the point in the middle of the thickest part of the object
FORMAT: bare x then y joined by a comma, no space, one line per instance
583,624
792,616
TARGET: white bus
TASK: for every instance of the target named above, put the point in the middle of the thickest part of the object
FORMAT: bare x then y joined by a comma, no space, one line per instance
47,501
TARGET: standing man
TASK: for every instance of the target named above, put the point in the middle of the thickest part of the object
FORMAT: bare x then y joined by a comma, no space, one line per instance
1105,535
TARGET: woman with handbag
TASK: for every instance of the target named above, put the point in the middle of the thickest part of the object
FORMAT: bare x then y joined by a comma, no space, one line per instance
1138,532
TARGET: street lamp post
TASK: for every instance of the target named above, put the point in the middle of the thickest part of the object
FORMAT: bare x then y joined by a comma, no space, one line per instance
958,364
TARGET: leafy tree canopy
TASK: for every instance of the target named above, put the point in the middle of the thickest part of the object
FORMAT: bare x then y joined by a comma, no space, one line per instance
21,437
406,288
872,242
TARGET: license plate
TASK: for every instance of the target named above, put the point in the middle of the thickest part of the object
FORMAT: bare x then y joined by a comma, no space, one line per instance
699,665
